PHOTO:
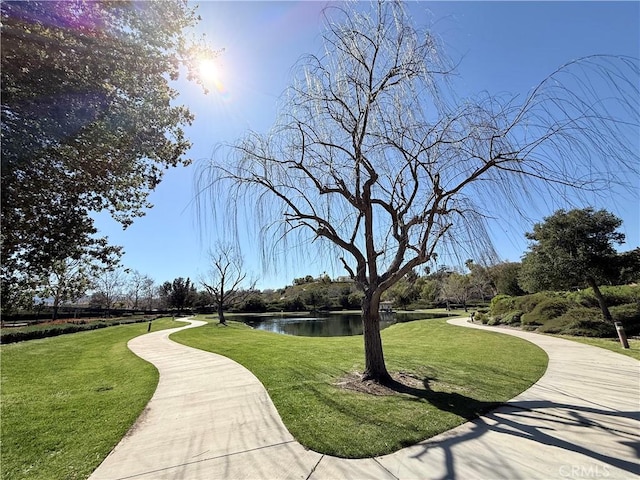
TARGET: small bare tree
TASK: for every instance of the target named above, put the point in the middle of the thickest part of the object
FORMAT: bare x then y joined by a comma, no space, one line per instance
227,282
149,290
109,287
376,158
456,288
138,287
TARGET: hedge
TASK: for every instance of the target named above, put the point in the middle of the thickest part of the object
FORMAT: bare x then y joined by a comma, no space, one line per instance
570,313
20,334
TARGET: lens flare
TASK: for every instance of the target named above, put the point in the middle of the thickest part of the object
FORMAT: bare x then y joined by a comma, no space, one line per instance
208,70
211,75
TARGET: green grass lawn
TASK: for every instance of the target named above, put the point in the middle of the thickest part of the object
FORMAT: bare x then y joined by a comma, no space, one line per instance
612,344
68,400
465,372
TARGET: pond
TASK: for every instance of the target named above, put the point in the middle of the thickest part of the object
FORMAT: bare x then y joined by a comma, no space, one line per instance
324,325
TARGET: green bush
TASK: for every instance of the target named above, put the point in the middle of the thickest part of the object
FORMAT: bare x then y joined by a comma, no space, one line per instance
584,298
579,328
579,321
574,316
481,317
555,325
253,304
628,313
590,328
528,303
545,310
512,318
582,313
501,304
621,294
613,296
568,313
629,316
20,334
12,336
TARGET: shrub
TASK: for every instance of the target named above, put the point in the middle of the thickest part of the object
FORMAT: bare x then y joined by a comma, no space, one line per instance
546,310
620,294
584,298
528,303
21,334
613,295
512,318
555,326
294,305
582,313
501,304
253,304
569,313
629,316
590,328
579,321
355,300
482,318
629,313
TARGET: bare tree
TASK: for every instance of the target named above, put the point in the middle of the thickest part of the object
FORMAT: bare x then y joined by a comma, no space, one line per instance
480,279
139,287
109,286
226,279
456,288
149,290
376,158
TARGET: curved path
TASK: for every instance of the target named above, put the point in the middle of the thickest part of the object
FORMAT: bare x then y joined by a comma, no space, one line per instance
211,418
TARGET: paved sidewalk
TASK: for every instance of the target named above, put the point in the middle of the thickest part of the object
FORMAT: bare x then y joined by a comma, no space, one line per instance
210,418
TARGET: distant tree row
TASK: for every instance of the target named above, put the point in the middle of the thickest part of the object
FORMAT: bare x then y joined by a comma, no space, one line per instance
569,250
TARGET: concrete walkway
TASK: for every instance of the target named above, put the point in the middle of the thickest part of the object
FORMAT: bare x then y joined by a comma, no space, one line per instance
211,418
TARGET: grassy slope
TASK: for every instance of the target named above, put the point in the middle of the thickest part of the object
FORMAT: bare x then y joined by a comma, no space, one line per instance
68,400
466,371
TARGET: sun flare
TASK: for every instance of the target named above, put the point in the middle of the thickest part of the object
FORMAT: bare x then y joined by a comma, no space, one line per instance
208,69
213,76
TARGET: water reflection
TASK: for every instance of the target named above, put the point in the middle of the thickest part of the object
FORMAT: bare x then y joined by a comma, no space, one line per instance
324,325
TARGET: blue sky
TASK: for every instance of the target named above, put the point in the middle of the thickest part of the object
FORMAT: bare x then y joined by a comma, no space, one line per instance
502,47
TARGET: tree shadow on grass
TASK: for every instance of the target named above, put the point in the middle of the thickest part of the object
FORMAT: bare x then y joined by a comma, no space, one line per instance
463,407
452,402
596,434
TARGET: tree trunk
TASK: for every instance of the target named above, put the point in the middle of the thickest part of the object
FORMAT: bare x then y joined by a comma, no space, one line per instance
603,305
375,368
56,304
221,314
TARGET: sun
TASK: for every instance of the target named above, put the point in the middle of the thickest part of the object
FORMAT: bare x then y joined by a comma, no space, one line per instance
212,76
208,70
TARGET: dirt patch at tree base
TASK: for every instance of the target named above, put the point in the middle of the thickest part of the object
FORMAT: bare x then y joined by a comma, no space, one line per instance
353,382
